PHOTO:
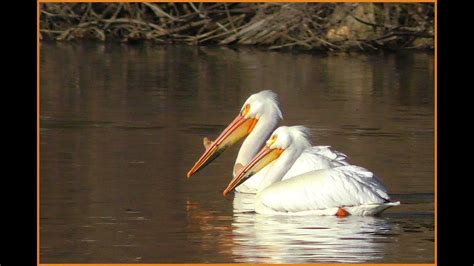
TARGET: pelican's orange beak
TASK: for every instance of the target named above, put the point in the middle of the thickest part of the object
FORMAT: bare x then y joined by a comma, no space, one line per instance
238,129
262,159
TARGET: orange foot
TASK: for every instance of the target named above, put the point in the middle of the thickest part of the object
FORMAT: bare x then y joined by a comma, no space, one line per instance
342,213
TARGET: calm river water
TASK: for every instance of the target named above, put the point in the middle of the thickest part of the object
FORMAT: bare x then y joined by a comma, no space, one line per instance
121,125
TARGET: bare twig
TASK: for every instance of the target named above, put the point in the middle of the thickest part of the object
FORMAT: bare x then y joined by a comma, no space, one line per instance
329,26
159,12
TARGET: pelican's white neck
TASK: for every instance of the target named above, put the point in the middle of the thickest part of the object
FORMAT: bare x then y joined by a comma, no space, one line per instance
256,139
280,167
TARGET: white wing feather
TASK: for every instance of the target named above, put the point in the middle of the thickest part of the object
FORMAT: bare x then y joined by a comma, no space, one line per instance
315,158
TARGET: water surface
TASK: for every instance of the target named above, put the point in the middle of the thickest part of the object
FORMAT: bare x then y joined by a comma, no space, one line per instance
121,125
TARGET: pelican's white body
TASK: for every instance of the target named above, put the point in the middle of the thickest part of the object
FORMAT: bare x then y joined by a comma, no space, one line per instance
323,192
318,192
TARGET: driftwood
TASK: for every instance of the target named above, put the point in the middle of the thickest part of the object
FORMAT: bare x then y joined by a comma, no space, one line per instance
326,26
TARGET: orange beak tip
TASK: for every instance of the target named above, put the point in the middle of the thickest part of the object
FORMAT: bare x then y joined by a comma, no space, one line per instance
189,174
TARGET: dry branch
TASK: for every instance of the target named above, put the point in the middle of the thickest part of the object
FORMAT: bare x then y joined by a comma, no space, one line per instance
328,26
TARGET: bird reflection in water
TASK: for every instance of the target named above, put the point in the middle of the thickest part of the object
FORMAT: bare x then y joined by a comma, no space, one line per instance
304,239
254,238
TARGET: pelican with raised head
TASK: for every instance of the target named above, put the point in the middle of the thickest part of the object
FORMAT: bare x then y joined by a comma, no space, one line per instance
257,119
338,191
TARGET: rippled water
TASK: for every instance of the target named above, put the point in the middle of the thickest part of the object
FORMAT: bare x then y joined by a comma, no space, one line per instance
121,125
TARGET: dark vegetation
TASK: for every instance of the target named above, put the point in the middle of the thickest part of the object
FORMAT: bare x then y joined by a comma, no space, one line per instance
319,26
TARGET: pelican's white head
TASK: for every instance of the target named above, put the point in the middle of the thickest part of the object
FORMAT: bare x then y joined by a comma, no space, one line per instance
294,138
264,103
257,118
285,144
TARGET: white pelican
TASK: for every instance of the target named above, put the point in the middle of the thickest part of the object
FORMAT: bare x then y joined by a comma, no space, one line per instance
258,117
333,191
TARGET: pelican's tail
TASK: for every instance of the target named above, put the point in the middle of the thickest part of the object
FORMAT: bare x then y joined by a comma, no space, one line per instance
371,209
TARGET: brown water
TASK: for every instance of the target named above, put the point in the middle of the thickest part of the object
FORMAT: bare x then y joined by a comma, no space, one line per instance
121,125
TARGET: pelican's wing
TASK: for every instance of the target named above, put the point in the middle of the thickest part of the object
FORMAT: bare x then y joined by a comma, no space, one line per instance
325,189
315,158
336,158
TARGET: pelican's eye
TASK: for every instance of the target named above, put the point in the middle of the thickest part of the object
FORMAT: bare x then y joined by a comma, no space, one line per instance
246,110
271,140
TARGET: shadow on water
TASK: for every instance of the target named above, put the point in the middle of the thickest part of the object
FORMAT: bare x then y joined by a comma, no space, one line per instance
121,125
